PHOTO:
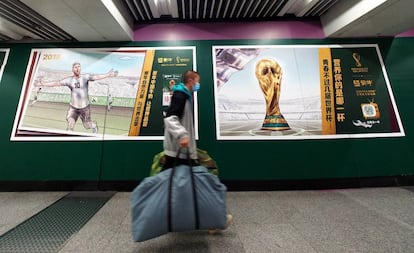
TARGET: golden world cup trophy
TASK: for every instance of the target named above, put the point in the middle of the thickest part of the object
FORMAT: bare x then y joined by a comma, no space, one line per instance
269,75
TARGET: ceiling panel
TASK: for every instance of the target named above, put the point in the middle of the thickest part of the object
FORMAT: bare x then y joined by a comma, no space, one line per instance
32,25
65,20
226,10
17,13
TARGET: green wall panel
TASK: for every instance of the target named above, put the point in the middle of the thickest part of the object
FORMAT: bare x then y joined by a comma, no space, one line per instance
237,160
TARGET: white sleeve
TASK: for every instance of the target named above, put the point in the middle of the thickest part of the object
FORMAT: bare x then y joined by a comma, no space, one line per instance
174,127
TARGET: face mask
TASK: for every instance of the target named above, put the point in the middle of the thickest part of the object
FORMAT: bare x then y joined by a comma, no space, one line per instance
196,87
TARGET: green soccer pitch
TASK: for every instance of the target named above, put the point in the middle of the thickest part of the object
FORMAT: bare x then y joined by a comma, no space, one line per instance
51,115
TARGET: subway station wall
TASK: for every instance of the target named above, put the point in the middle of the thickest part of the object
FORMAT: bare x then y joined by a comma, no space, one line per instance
119,160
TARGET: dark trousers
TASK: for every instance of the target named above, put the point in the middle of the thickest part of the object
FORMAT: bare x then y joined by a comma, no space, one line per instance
170,162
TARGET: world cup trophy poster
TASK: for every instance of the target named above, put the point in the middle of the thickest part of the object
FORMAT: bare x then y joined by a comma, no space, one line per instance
302,92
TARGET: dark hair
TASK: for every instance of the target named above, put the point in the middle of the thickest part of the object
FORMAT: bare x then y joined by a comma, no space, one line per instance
189,74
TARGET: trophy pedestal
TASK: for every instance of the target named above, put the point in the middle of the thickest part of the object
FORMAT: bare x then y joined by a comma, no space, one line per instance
275,123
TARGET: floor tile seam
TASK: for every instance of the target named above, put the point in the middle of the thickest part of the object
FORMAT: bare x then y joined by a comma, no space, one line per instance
99,216
93,220
73,237
96,221
126,214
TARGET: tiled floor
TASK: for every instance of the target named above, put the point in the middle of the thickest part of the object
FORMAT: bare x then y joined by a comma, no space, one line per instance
353,220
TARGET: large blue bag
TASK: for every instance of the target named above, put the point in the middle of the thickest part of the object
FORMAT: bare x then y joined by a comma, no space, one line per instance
179,199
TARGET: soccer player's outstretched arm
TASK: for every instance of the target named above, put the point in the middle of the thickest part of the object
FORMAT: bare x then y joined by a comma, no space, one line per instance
47,84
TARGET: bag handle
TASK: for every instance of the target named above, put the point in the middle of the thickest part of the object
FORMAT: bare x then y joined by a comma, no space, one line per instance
197,217
195,200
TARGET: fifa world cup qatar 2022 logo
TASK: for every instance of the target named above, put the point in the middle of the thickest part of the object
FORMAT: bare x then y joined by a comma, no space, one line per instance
269,75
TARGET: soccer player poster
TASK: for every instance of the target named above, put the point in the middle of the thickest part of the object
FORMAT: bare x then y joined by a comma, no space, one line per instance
97,93
303,92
